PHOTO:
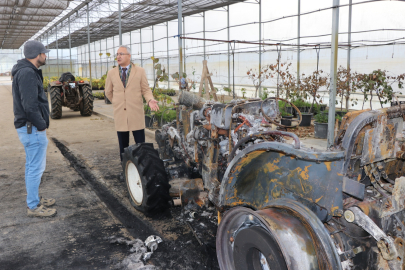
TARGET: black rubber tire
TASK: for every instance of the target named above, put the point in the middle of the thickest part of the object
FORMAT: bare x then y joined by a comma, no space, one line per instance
153,178
56,102
86,106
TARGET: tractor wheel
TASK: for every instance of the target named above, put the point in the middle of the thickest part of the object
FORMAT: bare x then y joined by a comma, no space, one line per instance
146,178
286,235
86,106
56,102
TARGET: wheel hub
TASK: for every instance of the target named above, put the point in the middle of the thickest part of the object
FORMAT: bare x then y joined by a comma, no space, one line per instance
134,183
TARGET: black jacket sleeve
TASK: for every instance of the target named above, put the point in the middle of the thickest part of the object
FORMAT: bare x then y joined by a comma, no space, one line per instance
28,89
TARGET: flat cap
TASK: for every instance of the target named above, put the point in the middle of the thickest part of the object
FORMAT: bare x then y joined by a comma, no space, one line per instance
32,48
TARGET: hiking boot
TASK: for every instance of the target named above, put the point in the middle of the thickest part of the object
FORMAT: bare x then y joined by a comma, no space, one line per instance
47,202
41,211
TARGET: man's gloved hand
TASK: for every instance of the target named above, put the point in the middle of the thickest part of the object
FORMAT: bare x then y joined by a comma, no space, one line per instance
153,105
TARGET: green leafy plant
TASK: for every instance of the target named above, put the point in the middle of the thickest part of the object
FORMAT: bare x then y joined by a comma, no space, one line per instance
243,90
228,90
284,113
321,117
99,95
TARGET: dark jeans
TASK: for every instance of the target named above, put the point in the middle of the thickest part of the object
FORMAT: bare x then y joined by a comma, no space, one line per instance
123,138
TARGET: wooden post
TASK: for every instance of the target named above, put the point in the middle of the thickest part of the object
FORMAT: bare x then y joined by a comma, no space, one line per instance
207,82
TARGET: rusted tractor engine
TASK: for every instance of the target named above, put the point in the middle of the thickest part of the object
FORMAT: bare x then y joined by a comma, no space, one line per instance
70,93
285,206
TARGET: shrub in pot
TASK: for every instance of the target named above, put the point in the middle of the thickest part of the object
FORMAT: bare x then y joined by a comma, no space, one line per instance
321,125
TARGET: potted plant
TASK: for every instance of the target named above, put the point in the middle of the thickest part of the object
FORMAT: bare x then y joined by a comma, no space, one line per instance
321,125
286,118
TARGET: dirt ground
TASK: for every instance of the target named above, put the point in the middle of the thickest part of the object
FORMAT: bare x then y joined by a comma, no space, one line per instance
82,174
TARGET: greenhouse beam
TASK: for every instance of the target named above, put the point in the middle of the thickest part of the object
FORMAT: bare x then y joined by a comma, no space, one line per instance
179,17
260,40
349,41
229,54
140,44
119,22
70,46
184,44
333,71
57,50
299,43
88,40
153,54
204,34
167,50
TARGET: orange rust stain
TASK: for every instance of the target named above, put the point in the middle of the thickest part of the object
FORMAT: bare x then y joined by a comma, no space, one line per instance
271,167
276,192
337,189
339,174
359,177
304,173
317,200
327,164
246,160
334,208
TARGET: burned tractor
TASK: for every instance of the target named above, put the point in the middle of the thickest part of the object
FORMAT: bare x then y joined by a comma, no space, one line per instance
283,205
70,93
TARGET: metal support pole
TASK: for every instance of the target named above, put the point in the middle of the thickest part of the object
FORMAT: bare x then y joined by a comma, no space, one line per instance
299,44
106,47
184,44
88,39
130,41
229,54
349,43
180,32
153,54
47,46
260,40
119,21
140,45
101,62
333,72
57,50
167,50
95,61
70,47
204,33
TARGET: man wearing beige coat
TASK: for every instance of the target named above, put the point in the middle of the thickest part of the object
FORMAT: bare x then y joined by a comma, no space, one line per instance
124,87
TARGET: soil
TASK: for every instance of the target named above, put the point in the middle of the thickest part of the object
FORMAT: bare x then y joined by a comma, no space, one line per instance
83,175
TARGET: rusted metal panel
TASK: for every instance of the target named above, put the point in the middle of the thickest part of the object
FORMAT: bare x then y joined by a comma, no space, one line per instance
266,171
379,142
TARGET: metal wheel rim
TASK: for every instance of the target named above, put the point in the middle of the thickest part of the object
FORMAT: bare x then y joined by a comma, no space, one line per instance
134,183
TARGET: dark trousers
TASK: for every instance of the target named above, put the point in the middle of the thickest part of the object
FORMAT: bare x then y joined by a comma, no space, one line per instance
123,139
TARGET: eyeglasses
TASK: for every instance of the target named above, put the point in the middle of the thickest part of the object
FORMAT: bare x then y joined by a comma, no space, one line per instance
118,54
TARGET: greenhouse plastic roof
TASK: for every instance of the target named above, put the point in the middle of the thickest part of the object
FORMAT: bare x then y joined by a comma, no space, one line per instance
22,19
135,15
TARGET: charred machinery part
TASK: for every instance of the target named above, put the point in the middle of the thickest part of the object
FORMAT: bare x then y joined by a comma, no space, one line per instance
384,242
273,132
191,100
271,112
276,189
286,235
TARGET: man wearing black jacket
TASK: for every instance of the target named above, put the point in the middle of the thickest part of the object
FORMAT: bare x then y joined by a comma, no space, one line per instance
31,119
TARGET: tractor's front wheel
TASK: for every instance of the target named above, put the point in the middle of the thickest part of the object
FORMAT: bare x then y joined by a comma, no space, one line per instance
55,102
86,106
146,179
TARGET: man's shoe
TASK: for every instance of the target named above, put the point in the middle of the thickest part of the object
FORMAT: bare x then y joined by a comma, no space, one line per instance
41,211
47,202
